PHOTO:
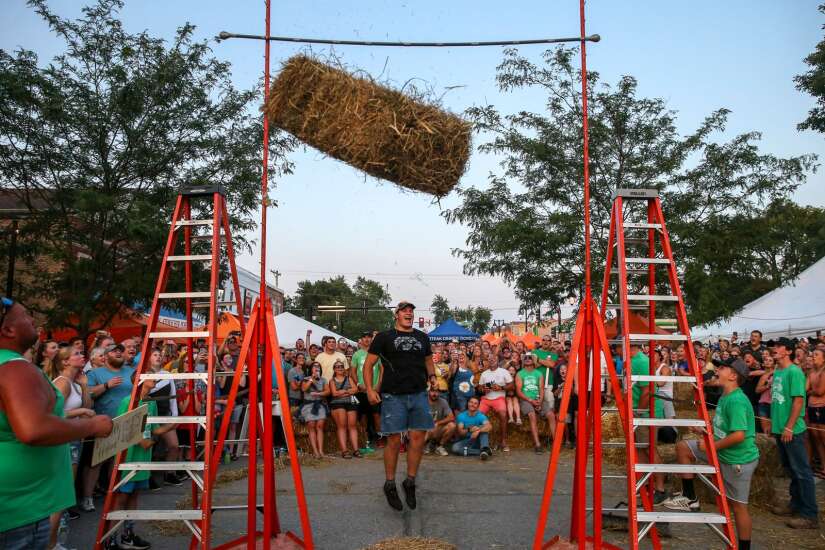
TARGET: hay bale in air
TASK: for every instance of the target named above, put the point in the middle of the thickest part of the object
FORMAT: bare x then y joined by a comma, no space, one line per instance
381,131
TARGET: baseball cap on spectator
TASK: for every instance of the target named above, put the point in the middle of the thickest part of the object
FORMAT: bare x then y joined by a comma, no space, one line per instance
113,347
724,362
404,304
366,333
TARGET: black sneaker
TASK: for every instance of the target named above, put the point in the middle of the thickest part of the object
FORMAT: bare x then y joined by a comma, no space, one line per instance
486,453
391,492
111,543
154,485
72,513
130,541
171,479
409,492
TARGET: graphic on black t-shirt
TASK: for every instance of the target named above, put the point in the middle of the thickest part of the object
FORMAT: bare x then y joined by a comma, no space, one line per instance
403,355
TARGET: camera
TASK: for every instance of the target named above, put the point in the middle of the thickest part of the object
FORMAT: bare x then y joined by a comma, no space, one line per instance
488,385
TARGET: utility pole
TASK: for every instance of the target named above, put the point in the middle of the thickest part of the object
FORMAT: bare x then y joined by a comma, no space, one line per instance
277,274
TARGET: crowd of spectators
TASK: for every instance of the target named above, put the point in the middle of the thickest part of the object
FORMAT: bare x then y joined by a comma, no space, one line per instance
475,381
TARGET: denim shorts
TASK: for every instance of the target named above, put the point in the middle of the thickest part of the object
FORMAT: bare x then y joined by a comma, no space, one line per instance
74,449
32,536
405,412
133,486
460,402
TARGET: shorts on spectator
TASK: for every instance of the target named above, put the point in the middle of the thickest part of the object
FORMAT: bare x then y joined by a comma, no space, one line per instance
405,412
237,411
75,448
294,402
133,486
737,477
816,415
364,405
498,405
25,537
345,406
460,402
764,410
527,407
313,411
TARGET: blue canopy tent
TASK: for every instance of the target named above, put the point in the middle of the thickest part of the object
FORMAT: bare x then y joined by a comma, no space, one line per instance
450,330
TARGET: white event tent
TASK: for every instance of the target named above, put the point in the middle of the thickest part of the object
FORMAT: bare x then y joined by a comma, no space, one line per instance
291,327
797,309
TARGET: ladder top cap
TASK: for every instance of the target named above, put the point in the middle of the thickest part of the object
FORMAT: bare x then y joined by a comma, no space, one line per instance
635,193
202,190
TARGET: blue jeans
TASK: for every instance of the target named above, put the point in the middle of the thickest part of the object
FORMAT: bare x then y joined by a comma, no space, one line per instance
32,536
471,447
405,412
795,461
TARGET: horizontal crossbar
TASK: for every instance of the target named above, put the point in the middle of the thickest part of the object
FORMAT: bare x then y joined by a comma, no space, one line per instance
223,35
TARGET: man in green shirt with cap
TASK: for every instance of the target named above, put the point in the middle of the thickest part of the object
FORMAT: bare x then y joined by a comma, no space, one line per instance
734,430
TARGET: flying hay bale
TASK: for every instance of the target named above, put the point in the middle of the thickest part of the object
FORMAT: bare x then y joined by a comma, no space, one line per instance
381,131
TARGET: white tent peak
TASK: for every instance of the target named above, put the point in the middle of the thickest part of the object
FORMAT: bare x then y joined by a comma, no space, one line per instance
290,327
796,309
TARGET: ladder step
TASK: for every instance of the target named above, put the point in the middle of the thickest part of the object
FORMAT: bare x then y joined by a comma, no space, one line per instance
675,469
190,258
190,223
615,410
629,306
590,509
179,420
174,376
638,444
631,240
679,517
663,261
161,466
647,337
206,237
660,378
608,476
173,295
630,271
653,297
633,225
201,305
182,334
675,422
149,515
636,194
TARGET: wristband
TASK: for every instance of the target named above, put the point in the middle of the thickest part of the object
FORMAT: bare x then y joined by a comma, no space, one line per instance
788,430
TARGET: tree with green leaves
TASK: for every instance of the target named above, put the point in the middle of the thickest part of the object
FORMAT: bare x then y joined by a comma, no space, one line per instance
526,225
813,82
477,319
440,309
365,305
98,141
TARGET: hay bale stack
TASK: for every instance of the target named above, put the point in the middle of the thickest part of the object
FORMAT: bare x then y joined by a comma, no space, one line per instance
381,131
411,543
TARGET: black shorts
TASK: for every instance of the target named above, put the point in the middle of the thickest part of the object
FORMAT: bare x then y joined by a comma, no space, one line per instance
816,415
365,407
346,406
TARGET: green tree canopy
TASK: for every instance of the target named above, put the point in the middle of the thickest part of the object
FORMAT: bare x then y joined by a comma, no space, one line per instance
366,302
526,225
813,82
440,309
105,134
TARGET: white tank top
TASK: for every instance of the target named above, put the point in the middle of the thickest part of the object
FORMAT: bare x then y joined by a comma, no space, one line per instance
667,389
75,398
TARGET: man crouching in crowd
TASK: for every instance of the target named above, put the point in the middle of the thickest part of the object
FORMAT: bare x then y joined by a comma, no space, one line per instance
444,429
35,461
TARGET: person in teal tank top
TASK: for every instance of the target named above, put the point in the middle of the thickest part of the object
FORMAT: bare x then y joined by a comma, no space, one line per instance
35,465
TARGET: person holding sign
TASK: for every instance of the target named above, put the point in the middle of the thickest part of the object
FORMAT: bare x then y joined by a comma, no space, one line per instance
35,461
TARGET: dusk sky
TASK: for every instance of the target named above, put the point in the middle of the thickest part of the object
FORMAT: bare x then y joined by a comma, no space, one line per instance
698,56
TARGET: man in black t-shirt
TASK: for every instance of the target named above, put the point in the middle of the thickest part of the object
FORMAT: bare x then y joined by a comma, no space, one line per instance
407,361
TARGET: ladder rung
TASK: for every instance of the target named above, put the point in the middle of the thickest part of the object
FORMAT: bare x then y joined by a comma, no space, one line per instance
661,378
679,517
190,258
181,334
634,225
609,476
629,306
675,422
630,271
174,376
646,337
590,509
653,297
201,305
185,223
675,468
647,260
630,240
161,466
149,515
638,444
615,410
635,194
172,295
205,237
179,420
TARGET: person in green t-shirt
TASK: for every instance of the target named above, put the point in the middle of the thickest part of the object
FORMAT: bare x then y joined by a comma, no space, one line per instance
368,415
126,497
530,391
788,427
734,429
642,394
546,357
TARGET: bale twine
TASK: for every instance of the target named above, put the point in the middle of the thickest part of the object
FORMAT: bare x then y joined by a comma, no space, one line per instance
381,131
411,543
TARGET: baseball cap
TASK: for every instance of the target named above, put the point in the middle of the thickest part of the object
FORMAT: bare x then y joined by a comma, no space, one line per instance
723,362
113,347
404,304
366,333
739,366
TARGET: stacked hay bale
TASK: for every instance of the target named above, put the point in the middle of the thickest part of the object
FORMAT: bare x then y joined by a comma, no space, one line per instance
381,131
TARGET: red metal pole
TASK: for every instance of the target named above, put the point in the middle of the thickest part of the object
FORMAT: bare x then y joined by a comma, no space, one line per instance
586,156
